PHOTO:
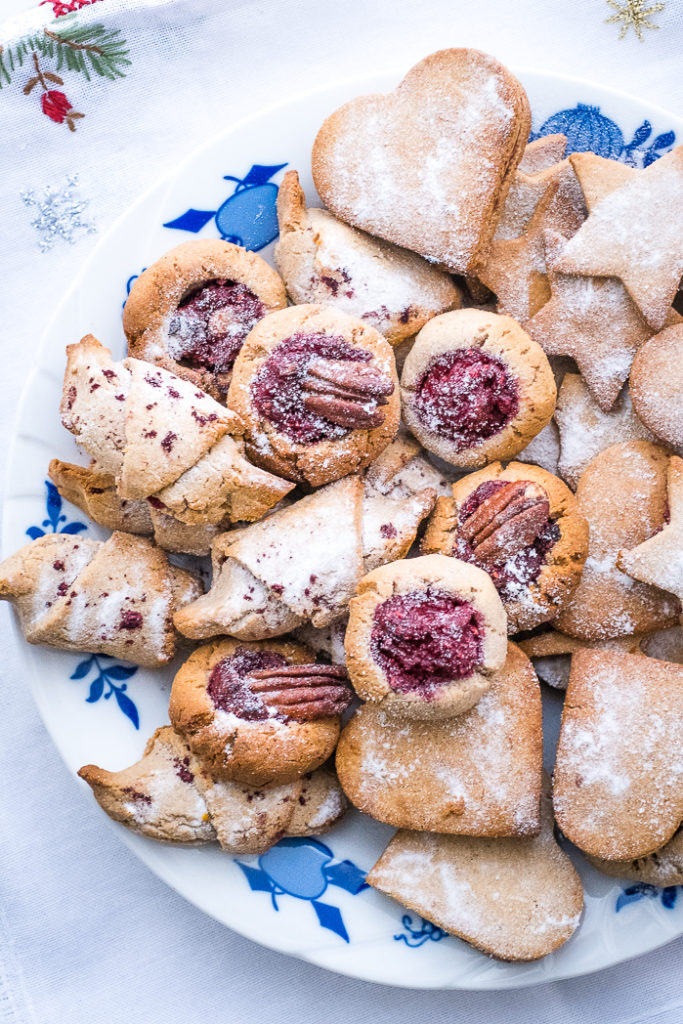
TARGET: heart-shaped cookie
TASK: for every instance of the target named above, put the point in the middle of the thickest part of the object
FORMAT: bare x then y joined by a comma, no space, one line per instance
515,899
428,166
478,774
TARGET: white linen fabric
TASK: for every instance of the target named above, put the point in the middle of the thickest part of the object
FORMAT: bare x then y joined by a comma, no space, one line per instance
87,934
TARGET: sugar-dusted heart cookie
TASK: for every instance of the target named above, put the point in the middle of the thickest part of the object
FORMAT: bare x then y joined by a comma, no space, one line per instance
428,166
515,899
478,774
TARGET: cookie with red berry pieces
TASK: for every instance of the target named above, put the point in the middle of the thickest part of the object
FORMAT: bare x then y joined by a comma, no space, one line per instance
192,309
95,493
258,713
428,165
302,563
656,384
622,495
618,780
168,795
522,526
477,774
115,597
156,797
476,388
424,637
322,259
317,393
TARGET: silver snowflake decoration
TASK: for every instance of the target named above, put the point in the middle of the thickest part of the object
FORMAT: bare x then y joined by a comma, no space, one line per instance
58,213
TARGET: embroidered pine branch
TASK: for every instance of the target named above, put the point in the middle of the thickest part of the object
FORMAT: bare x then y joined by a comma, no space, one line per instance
88,49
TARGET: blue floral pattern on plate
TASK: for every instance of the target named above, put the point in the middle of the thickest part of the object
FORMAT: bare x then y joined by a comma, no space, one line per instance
108,676
415,937
304,868
55,516
248,217
642,890
587,129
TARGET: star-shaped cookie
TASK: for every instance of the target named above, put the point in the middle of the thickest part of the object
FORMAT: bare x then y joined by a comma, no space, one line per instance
635,233
659,560
565,213
585,429
515,267
542,153
591,319
599,176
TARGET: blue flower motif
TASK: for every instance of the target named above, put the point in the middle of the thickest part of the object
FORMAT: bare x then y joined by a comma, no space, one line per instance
108,675
418,936
304,868
54,517
587,129
248,217
642,890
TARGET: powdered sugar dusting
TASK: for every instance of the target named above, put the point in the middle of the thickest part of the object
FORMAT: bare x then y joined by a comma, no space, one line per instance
471,887
585,429
593,320
620,754
372,280
476,773
379,140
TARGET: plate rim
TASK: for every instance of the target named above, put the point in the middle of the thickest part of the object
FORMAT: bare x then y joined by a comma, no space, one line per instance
242,927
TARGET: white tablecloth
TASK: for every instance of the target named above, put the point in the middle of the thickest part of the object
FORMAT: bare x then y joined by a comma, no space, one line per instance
87,934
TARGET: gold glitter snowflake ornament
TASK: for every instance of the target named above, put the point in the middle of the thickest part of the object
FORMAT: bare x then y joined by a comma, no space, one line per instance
633,14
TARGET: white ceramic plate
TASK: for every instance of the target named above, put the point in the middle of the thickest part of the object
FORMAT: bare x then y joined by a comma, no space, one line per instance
304,897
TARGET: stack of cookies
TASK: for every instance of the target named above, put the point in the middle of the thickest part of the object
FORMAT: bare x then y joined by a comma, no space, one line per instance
449,418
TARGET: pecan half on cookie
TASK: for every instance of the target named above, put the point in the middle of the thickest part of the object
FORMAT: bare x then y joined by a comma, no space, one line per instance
302,692
522,526
506,522
258,713
317,393
347,394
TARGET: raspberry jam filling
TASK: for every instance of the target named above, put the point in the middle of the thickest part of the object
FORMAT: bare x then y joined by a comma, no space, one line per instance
426,639
512,574
229,688
466,396
279,390
210,324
